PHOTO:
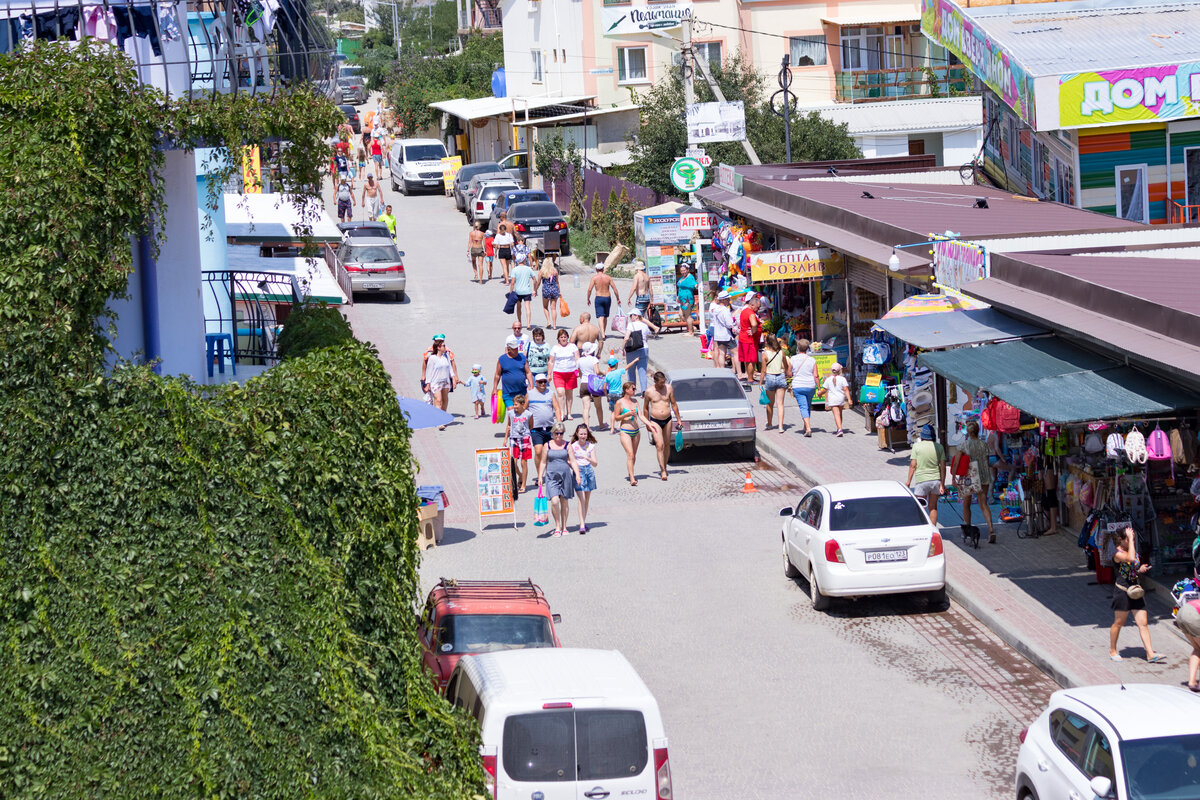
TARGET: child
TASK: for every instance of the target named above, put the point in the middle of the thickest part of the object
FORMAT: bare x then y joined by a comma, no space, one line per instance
489,252
519,438
614,378
837,395
478,386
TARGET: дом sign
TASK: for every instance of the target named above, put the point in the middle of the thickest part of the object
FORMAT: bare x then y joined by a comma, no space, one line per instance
1129,95
794,265
956,264
946,24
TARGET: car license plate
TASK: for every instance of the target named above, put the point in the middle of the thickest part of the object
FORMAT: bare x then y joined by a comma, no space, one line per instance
876,556
372,285
708,426
432,183
539,228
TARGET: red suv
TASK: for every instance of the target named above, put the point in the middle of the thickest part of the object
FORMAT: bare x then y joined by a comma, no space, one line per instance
467,617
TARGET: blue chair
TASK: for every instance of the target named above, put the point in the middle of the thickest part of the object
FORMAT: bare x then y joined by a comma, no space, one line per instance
214,345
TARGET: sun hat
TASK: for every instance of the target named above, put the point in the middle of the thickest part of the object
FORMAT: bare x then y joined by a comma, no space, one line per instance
512,342
599,266
612,361
541,376
927,433
835,367
476,367
724,295
589,347
640,264
635,313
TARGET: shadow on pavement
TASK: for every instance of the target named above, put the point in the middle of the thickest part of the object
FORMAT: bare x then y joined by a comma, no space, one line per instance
456,536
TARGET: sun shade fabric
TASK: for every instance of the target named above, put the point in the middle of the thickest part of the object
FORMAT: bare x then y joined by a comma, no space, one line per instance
952,328
982,367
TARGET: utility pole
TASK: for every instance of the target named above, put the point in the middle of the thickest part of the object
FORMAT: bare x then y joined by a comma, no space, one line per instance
702,63
685,66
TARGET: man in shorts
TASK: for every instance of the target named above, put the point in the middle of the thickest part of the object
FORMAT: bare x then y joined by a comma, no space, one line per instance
522,282
723,327
345,202
658,403
928,467
544,405
601,284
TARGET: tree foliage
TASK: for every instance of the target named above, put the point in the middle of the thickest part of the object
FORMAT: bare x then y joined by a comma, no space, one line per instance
662,136
556,157
313,326
423,80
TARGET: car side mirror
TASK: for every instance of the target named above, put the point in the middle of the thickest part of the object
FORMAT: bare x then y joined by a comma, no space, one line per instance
787,512
1102,786
556,617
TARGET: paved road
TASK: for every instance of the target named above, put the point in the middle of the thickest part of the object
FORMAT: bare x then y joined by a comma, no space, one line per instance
762,696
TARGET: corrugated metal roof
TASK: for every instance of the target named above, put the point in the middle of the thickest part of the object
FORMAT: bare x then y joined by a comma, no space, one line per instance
928,114
929,331
1143,235
267,217
1086,35
1170,283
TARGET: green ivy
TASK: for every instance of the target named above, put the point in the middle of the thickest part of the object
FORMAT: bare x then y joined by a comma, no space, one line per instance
312,326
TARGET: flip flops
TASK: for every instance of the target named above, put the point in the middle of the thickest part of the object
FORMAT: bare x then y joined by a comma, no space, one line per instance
1159,659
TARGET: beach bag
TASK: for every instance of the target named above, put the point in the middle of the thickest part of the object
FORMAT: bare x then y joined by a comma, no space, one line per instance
678,440
498,408
1114,446
541,509
883,419
876,353
763,400
960,465
1158,446
620,321
596,386
1135,447
871,394
1006,417
634,342
1093,443
510,302
563,308
896,411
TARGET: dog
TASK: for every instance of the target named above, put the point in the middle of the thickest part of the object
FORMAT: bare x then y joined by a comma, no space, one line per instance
970,533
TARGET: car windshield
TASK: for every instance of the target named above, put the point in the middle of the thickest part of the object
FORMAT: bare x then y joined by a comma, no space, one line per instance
485,633
424,152
526,197
537,209
1166,768
368,231
348,81
700,389
865,513
346,72
372,254
489,192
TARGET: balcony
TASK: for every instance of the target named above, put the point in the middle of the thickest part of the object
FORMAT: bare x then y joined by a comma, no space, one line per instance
481,14
874,85
247,311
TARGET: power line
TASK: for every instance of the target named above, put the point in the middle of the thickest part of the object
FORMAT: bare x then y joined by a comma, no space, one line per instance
822,40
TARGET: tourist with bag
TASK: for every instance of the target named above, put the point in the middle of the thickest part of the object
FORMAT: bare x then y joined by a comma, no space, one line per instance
805,376
1128,595
592,388
637,349
773,377
977,484
550,291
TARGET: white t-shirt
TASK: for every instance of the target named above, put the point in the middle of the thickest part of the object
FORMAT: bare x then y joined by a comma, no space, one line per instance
835,390
564,356
644,328
587,365
802,372
502,240
723,323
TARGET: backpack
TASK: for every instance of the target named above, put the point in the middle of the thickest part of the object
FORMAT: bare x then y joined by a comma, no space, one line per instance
344,194
896,412
1007,418
1158,447
876,353
1135,447
596,385
1115,446
1093,443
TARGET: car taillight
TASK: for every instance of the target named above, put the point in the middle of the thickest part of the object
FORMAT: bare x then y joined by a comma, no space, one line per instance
392,268
743,422
662,773
479,206
1021,736
521,227
489,774
833,552
558,226
935,545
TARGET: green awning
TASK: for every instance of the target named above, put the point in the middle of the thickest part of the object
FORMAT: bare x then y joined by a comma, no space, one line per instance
1058,382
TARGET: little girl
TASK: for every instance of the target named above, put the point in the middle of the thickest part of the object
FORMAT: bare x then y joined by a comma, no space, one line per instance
478,386
516,433
583,450
837,394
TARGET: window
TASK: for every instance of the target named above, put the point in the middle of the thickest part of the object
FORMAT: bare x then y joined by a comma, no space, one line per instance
867,513
1070,734
611,744
860,48
631,64
689,389
1132,193
1038,170
1014,142
1161,767
808,51
486,633
541,746
810,510
536,55
709,51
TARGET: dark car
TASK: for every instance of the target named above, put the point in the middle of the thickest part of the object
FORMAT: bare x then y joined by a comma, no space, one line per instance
353,89
541,223
509,198
352,117
464,176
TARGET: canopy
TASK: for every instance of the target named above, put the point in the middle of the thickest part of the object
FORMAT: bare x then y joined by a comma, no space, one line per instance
419,414
931,331
920,304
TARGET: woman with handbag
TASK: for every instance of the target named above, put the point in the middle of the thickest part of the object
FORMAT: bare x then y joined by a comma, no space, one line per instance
775,370
1128,595
979,479
637,348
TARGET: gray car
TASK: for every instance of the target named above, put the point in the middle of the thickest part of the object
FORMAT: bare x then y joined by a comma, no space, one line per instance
472,189
714,408
464,176
374,264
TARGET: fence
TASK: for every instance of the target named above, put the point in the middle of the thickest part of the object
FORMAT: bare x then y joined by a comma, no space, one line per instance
593,181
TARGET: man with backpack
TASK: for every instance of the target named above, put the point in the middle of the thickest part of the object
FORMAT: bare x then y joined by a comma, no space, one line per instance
345,202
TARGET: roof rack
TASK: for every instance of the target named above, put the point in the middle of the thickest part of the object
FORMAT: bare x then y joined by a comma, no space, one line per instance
491,590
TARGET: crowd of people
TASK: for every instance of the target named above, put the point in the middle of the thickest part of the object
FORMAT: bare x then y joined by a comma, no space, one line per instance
362,156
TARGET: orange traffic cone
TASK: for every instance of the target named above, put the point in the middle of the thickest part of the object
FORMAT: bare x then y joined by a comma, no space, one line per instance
749,485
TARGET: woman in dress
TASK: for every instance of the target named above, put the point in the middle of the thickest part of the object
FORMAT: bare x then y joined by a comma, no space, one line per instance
564,371
583,453
557,477
685,288
627,419
550,291
1129,570
438,374
775,369
538,353
977,451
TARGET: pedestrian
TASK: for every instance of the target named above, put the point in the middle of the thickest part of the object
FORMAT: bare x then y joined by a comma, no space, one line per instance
639,292
614,379
478,386
1049,498
543,404
723,327
776,369
538,350
1188,622
804,383
927,465
489,252
523,283
372,198
550,291
361,156
520,249
503,225
520,442
628,421
589,366
1130,569
366,140
377,155
748,330
685,287
637,348
522,338
659,406
583,453
977,451
389,219
342,162
345,202
564,369
586,331
558,476
475,250
512,371
503,242
438,375
602,285
837,395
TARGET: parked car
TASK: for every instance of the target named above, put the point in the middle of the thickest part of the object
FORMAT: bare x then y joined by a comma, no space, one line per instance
463,178
416,164
358,229
516,165
349,71
481,211
561,724
353,90
714,408
537,218
374,264
477,182
863,538
352,117
508,198
1122,741
464,617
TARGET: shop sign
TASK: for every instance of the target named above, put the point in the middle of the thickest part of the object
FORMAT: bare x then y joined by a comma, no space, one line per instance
946,24
662,229
794,265
1129,95
956,264
726,176
687,174
697,221
450,167
633,19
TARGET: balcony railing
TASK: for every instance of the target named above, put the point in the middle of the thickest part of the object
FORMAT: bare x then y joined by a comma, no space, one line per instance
251,307
866,86
1181,213
483,14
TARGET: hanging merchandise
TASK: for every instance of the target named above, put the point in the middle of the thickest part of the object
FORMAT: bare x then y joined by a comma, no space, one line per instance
1093,443
1158,448
876,353
167,23
1114,446
1135,447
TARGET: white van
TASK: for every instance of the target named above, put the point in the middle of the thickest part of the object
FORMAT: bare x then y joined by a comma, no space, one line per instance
564,724
416,164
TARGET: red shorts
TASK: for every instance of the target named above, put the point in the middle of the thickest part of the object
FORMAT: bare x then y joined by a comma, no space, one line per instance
747,352
566,380
524,450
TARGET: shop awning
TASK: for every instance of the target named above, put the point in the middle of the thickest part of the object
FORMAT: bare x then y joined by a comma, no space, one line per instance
953,328
1058,382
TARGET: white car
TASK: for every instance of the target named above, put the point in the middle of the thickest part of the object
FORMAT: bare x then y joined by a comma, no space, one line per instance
863,538
1126,742
416,164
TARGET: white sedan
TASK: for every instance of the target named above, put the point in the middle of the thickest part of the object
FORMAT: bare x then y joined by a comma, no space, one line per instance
863,538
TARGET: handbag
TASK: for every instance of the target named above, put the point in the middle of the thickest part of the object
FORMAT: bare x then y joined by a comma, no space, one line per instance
563,308
596,385
763,400
960,465
871,394
678,440
1135,592
498,408
541,509
510,303
620,321
634,342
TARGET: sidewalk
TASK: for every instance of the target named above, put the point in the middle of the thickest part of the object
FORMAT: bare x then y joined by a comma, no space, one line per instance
1035,594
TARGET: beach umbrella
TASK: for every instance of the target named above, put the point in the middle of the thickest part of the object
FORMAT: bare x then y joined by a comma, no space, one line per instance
933,304
420,414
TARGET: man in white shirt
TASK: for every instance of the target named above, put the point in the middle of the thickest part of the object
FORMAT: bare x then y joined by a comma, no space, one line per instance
723,327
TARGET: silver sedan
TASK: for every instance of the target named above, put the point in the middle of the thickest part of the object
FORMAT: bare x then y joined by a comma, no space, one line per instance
374,265
714,408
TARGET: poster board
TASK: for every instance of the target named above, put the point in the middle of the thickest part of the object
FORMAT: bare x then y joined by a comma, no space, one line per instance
493,481
825,359
450,167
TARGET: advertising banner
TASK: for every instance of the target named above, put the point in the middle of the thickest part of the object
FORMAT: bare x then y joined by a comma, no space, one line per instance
450,167
493,475
958,263
945,23
633,19
794,265
825,359
251,170
1129,95
716,122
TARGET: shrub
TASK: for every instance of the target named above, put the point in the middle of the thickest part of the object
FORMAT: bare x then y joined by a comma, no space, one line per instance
585,243
312,326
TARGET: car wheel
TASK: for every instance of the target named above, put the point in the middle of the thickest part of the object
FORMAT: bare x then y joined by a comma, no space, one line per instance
1027,794
404,187
395,188
789,569
938,598
747,449
820,602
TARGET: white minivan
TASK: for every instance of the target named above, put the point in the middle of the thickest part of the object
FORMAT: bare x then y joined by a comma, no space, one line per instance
416,164
564,724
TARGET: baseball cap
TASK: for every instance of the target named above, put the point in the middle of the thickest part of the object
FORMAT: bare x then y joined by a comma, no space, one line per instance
600,266
612,361
541,376
512,342
439,337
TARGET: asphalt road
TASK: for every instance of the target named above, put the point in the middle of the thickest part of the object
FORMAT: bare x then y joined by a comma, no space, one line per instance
761,696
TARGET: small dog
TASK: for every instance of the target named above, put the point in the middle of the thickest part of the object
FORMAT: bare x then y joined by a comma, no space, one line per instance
970,533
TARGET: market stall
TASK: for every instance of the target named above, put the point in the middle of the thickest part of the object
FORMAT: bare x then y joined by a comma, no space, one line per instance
667,237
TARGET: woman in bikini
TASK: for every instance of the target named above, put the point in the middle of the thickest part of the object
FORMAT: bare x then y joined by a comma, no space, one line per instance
628,419
475,250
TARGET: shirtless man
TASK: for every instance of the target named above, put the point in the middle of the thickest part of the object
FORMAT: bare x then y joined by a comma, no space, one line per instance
586,331
658,403
475,250
601,284
639,293
503,225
